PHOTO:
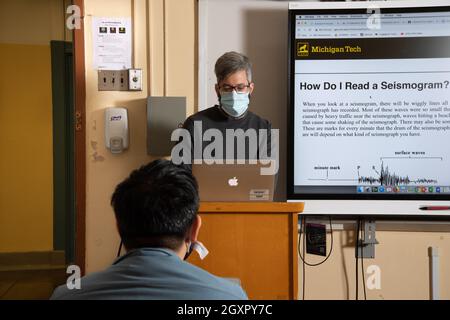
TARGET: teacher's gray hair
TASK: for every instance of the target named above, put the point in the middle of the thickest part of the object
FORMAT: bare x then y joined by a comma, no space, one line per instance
230,63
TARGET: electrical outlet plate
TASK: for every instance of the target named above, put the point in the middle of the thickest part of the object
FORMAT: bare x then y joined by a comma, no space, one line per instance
135,79
316,239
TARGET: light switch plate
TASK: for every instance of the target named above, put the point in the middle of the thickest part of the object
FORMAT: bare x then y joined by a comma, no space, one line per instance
113,80
105,80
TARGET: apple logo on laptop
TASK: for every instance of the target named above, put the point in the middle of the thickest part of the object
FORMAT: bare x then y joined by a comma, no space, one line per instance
233,182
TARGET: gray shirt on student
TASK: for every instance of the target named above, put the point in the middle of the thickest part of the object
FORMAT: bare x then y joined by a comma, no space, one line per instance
152,273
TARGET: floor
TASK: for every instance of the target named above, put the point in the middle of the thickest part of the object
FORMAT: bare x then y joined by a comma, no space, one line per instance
22,277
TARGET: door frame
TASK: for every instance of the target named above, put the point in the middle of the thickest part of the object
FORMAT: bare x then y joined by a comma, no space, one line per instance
80,141
63,148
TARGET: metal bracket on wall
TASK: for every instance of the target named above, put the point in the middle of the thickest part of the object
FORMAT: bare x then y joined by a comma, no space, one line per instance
366,245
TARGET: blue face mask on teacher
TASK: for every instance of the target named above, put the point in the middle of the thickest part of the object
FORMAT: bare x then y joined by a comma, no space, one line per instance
233,103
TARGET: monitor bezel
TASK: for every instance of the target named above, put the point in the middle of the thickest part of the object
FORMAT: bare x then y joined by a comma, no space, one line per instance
344,8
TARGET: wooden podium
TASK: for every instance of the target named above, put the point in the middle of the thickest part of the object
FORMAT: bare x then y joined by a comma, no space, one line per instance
255,242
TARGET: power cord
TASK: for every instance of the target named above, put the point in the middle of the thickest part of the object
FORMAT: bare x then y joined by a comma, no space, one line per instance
304,263
362,265
356,258
359,246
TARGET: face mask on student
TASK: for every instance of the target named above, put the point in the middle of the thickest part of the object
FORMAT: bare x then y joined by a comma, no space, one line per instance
234,104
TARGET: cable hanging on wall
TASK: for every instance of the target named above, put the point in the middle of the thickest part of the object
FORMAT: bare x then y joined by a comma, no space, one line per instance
359,249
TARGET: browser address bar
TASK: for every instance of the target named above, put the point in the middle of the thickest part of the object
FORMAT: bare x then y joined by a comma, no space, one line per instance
383,21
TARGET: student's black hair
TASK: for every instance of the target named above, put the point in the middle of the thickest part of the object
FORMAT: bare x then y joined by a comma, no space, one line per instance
156,205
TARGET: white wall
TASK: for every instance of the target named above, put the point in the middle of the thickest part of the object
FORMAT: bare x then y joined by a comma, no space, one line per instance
257,29
164,47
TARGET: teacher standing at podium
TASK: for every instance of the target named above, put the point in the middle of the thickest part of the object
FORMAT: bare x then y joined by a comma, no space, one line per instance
234,88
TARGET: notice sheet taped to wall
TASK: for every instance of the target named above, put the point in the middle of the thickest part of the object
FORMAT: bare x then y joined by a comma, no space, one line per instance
111,43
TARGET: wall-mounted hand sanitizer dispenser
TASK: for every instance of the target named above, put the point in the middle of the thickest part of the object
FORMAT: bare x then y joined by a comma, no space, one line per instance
116,129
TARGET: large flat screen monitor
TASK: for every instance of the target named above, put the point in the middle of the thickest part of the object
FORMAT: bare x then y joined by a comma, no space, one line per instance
369,101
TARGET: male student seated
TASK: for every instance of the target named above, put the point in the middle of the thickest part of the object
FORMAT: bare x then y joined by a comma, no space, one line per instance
156,212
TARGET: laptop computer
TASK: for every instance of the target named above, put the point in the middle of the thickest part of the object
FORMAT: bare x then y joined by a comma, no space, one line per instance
233,182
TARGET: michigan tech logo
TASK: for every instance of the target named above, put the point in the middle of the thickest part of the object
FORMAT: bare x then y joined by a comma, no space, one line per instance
302,49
